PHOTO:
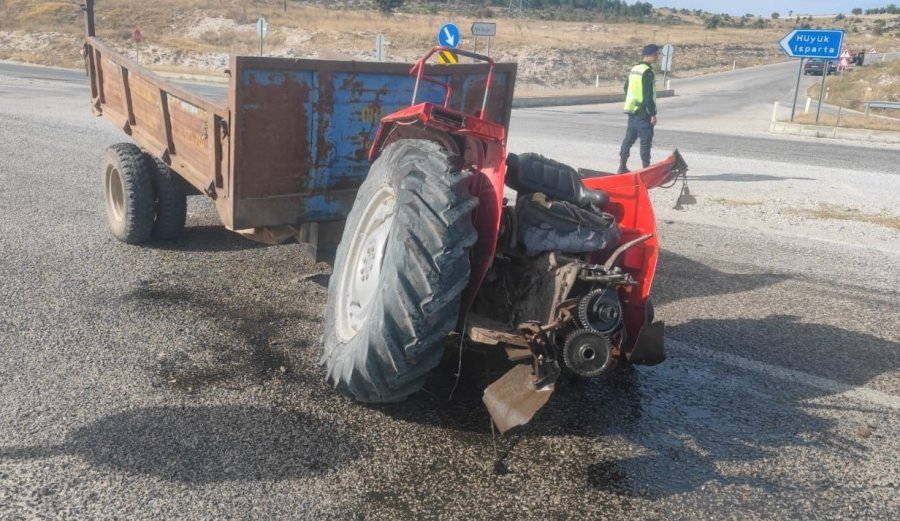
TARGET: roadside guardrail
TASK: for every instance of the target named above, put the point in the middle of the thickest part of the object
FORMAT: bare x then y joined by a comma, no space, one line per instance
883,105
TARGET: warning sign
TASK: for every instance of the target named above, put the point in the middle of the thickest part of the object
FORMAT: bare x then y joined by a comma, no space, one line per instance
447,58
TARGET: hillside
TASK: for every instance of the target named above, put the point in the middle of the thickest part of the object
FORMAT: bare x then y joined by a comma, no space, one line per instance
873,82
554,48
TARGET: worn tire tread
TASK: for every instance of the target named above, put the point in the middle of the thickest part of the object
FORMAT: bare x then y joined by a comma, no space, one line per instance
171,201
136,171
425,270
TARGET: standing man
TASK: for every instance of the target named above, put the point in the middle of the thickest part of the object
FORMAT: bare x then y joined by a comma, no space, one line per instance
640,105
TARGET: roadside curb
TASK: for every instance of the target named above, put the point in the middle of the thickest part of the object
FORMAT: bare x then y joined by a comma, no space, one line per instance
196,78
854,134
561,101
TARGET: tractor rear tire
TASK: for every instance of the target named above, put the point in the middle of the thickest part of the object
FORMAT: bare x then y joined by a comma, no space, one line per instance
399,273
128,196
171,201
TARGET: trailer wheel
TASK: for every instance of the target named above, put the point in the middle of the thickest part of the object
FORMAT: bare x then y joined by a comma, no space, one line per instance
171,201
400,269
128,192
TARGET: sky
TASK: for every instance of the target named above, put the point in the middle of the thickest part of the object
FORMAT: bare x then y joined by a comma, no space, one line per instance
767,7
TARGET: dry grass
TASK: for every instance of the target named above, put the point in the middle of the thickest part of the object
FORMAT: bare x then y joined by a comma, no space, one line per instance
830,211
850,121
550,53
872,82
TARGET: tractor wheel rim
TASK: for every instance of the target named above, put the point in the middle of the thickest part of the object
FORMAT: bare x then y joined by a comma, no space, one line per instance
361,278
115,194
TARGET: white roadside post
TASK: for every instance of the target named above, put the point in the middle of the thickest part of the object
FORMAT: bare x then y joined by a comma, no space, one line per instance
379,47
668,59
261,28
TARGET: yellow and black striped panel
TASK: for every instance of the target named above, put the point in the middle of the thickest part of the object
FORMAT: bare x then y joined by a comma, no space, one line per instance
447,58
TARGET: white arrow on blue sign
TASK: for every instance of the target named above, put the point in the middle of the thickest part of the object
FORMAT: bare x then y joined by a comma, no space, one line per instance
448,36
813,43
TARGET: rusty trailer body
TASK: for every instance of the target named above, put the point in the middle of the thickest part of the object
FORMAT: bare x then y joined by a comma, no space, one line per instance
289,144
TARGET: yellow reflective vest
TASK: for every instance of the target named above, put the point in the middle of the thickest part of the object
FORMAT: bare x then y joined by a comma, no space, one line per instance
634,95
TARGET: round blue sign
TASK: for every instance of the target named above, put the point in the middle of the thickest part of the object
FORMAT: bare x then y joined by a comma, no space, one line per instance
448,36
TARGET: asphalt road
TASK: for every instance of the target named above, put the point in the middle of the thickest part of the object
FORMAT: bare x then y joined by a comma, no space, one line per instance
180,380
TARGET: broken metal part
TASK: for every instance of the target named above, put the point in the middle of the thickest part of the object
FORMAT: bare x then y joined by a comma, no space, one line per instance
616,278
537,339
685,196
485,331
514,399
650,346
587,353
614,258
517,355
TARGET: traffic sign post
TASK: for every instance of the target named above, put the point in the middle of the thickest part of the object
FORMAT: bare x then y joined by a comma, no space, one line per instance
668,57
796,90
484,29
448,36
261,29
824,44
822,88
137,45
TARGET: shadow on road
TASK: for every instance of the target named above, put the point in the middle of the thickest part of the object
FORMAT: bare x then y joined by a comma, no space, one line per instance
207,444
207,239
745,178
679,277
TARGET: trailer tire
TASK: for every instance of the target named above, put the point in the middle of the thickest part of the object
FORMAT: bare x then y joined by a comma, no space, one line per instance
127,177
412,222
171,201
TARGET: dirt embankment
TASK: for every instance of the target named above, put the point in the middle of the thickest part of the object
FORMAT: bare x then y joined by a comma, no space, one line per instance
874,81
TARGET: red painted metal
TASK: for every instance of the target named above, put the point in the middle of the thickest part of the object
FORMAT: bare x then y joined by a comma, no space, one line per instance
629,202
418,71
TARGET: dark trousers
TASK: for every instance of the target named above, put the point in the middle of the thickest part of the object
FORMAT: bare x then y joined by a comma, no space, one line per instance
638,127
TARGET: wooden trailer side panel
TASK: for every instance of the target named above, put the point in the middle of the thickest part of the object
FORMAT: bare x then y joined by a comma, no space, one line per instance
186,131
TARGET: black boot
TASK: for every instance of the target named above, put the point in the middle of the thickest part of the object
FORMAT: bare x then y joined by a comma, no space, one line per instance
623,168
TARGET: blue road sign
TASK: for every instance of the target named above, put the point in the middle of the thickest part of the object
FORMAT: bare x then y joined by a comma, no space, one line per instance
448,36
813,43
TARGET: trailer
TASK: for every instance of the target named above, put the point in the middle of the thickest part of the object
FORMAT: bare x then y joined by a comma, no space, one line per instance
283,154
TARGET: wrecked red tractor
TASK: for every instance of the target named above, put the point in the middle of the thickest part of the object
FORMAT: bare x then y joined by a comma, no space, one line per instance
449,234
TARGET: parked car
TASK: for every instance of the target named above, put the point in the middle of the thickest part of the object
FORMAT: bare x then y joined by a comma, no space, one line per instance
816,66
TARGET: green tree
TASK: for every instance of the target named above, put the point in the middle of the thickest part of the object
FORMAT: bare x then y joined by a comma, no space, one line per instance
857,10
775,15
